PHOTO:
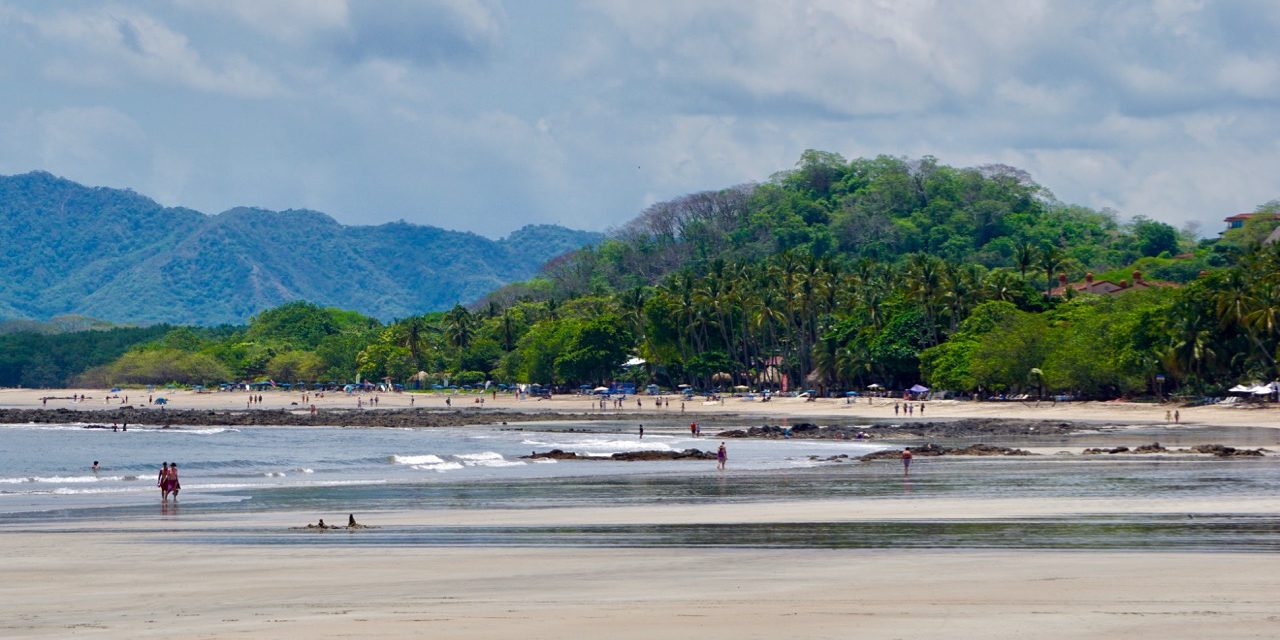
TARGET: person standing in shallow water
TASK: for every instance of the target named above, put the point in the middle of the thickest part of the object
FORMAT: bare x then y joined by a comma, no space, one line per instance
722,456
161,481
174,485
906,462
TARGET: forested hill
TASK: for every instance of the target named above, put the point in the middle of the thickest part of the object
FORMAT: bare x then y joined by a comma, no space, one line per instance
119,256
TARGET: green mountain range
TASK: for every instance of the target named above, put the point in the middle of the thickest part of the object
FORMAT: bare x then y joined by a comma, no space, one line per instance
119,256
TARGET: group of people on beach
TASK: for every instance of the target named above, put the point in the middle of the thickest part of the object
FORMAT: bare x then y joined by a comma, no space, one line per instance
907,408
167,480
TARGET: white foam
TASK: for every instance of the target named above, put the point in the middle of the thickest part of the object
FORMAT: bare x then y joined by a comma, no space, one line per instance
416,460
440,467
67,491
61,479
595,446
274,474
303,470
210,431
487,459
545,461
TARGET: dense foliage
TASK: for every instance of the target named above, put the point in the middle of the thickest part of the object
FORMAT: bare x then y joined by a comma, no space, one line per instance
119,256
835,275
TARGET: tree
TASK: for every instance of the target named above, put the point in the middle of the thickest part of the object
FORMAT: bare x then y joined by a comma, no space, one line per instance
295,366
1153,238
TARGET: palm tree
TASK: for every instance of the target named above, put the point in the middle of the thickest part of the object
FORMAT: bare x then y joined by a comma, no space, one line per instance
459,326
1024,256
1051,260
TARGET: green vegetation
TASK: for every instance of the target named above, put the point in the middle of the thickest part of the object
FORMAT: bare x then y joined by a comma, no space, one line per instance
834,275
121,257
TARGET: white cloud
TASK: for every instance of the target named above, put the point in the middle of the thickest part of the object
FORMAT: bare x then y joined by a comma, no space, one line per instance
104,45
486,115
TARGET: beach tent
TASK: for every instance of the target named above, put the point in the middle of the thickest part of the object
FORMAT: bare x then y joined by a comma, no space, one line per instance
875,385
599,389
918,389
1240,388
1265,389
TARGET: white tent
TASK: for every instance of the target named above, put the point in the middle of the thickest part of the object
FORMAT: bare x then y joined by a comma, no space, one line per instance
1240,388
1265,389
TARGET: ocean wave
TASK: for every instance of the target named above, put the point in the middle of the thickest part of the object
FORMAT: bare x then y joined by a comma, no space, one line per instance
593,446
544,461
62,479
487,459
273,474
210,431
415,460
303,470
68,491
441,466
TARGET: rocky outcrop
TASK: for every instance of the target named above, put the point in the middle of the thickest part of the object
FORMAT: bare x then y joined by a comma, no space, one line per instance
1221,451
967,427
399,418
931,450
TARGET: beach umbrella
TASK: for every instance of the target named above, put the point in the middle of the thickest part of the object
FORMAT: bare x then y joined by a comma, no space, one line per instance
850,393
918,389
601,389
683,386
741,387
875,385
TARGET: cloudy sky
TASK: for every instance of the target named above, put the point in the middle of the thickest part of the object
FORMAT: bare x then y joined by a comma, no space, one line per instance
486,115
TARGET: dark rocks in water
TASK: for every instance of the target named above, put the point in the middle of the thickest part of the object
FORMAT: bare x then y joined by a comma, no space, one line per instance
554,454
967,427
321,526
626,456
931,450
399,418
1218,450
1222,451
1096,450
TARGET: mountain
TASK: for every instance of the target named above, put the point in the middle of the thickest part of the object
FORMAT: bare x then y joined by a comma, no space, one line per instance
119,256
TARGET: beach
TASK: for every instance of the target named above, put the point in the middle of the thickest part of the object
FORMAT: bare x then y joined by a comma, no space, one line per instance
470,540
1252,415
147,582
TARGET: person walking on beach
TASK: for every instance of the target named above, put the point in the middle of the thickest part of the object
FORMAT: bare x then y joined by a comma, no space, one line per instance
722,456
174,485
895,408
642,432
1176,416
161,481
906,462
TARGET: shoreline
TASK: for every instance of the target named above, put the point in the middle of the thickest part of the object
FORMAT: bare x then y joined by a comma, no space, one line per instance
432,407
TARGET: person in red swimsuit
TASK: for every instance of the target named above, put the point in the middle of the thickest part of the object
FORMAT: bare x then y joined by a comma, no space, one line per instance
174,485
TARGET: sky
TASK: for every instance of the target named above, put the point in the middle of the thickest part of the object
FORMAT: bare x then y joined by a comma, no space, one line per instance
484,115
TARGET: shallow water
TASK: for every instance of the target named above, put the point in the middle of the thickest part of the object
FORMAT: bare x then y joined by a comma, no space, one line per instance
44,478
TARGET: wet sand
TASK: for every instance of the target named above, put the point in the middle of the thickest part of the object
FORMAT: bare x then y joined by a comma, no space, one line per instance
179,576
139,579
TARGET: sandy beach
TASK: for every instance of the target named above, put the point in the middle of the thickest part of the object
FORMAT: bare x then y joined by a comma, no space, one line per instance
157,579
1258,415
255,574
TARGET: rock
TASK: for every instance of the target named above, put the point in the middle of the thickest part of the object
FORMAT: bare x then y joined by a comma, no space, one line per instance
1095,451
932,450
1222,451
554,454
